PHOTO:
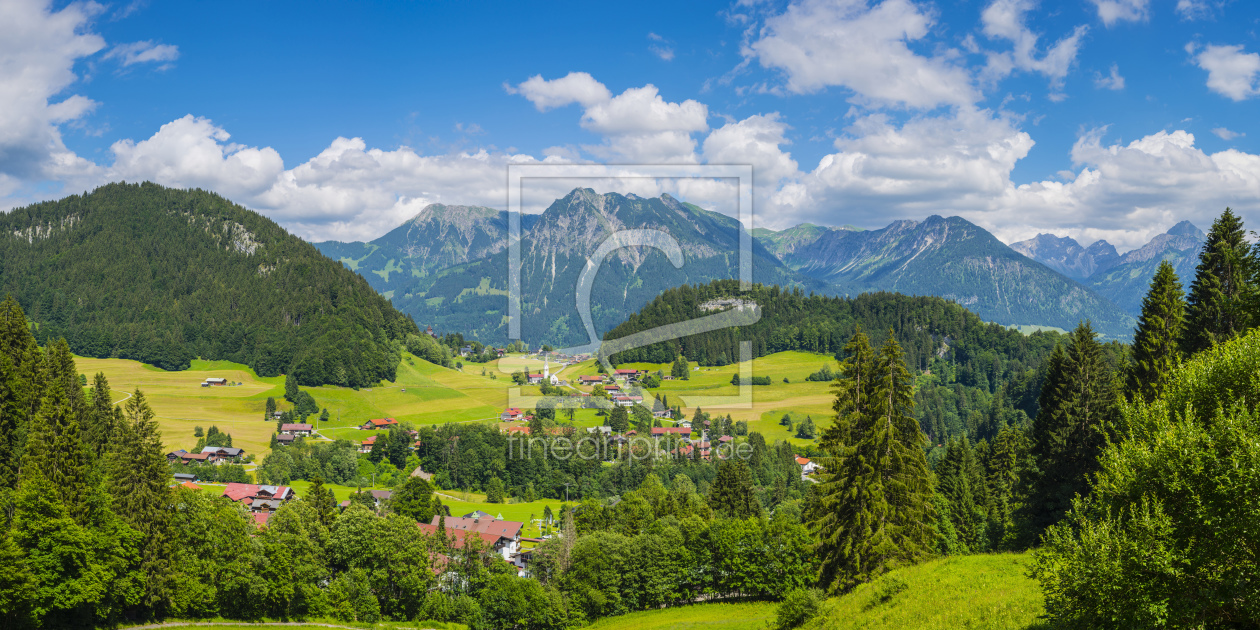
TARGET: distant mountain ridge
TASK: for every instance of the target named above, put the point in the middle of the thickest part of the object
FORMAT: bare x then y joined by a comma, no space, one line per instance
958,260
1122,279
1064,255
430,268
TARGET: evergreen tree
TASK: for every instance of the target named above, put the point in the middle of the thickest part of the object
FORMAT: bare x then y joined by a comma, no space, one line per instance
1079,405
55,449
269,414
874,510
104,417
139,484
21,390
322,501
1155,344
494,491
619,419
732,493
961,482
290,388
1214,309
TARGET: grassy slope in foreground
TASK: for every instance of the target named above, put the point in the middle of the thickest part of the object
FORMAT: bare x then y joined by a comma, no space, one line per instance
743,616
991,592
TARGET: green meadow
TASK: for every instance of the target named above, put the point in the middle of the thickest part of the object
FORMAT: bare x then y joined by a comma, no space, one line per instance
741,616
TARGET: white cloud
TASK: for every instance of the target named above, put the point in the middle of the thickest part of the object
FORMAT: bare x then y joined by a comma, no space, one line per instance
1005,20
661,48
1225,134
143,52
1231,72
848,43
1112,11
638,125
575,87
38,50
1193,9
193,153
1111,82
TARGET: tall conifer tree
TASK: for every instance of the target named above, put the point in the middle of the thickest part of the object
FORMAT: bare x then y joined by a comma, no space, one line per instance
875,502
21,388
1215,310
1155,344
1079,404
139,485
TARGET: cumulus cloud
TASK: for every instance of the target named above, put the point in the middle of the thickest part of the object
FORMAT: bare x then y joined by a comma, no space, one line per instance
638,125
1231,72
863,48
1005,20
1225,134
1111,82
575,87
144,52
1112,11
39,48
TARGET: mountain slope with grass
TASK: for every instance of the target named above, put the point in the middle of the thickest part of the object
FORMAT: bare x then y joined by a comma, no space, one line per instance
983,592
159,275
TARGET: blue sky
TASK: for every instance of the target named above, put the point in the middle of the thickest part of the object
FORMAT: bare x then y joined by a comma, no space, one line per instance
340,120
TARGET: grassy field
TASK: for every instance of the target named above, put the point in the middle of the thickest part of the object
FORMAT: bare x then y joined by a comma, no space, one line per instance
744,616
769,402
424,393
985,592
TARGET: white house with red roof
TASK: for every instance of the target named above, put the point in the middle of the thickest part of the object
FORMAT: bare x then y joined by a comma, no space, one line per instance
259,498
807,467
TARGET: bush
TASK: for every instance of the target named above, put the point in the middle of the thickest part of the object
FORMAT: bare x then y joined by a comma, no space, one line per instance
1166,537
798,607
825,374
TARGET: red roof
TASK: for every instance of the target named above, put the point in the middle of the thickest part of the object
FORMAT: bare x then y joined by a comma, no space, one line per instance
238,491
627,371
668,430
506,529
458,536
590,379
370,441
261,518
295,426
190,485
381,422
802,461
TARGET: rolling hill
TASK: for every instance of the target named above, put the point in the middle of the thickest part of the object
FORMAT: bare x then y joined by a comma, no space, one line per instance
140,271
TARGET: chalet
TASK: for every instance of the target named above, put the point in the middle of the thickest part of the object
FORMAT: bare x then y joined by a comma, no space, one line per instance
259,498
366,445
724,439
612,387
622,401
534,379
807,467
499,352
590,380
379,423
605,431
476,514
511,414
182,477
465,351
380,496
506,535
222,454
428,330
284,439
297,429
631,375
214,381
679,431
663,413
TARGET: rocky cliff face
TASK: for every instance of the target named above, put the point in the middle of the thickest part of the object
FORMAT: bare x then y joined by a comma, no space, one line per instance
1126,282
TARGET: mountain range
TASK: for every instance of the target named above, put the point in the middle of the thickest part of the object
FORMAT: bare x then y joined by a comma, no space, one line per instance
447,266
1122,279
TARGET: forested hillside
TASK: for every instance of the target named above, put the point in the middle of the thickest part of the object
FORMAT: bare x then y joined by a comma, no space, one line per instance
974,376
144,272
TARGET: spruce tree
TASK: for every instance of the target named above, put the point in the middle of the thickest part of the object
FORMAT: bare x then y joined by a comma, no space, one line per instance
1155,344
1215,309
322,501
21,388
1079,404
290,388
619,419
874,510
103,417
139,485
54,449
731,494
